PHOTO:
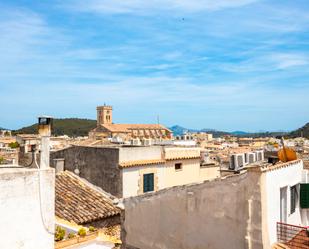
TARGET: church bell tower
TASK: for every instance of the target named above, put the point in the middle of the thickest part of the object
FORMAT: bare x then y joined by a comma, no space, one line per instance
104,115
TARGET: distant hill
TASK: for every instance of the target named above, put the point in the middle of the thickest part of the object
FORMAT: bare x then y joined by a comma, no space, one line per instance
72,127
303,131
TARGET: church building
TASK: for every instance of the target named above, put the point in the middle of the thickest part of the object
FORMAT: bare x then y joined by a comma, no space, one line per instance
107,129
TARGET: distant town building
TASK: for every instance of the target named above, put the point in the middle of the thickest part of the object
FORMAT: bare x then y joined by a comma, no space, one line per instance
125,132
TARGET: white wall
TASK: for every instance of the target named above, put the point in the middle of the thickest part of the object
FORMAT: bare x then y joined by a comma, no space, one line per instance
130,177
274,180
22,212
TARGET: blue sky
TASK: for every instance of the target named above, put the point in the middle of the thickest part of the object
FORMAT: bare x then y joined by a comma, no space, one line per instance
224,64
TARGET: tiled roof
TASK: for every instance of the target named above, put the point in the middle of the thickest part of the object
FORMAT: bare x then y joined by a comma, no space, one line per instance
79,201
141,162
130,127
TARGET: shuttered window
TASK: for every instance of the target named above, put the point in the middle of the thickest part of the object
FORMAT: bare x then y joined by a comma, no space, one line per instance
293,195
304,195
148,182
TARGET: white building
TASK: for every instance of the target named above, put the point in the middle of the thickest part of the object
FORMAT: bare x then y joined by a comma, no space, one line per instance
281,197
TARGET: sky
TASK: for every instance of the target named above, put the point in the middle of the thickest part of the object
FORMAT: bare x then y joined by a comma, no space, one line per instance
219,64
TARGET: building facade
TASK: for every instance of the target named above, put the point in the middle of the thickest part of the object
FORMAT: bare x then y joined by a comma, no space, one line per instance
126,171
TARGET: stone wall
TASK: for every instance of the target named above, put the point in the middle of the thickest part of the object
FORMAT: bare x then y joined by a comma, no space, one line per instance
223,213
97,165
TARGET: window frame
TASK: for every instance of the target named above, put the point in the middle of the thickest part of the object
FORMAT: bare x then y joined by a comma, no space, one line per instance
293,198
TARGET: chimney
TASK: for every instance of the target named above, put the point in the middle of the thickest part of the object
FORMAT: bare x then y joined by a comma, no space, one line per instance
45,127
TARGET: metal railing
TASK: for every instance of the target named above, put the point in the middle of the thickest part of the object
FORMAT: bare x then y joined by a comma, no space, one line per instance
295,237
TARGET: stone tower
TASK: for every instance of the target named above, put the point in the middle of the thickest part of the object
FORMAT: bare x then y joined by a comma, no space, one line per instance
104,115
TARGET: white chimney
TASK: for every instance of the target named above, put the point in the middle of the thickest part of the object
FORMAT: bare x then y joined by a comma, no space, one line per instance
45,127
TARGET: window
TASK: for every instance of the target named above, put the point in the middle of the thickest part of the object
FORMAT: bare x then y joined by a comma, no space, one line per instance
148,182
178,166
293,194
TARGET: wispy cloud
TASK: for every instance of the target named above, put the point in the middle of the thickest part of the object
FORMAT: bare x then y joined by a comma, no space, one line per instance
142,7
223,64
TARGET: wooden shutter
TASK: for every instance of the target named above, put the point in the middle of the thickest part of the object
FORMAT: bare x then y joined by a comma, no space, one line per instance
148,182
304,195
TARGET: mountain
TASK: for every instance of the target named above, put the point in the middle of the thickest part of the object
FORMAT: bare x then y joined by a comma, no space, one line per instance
239,133
179,130
303,131
72,127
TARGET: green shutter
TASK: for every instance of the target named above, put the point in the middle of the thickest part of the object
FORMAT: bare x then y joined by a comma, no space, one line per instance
148,182
304,195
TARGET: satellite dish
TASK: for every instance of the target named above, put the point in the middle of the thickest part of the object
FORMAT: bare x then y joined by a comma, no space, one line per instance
286,154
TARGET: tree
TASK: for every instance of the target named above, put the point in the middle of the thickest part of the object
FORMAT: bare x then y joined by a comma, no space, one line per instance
1,160
14,145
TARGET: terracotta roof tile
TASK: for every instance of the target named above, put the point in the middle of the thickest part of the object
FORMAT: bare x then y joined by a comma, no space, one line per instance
79,201
130,127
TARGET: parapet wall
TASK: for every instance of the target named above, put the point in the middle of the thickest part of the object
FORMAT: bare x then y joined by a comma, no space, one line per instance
27,200
218,214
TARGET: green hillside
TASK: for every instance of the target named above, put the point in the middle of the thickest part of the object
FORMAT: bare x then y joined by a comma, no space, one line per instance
72,127
303,131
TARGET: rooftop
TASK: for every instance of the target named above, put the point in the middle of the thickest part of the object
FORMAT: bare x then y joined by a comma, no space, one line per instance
130,127
81,202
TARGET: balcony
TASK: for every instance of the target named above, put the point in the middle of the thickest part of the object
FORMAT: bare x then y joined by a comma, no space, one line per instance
292,237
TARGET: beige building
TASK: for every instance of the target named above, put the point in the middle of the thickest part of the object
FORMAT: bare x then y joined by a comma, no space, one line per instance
124,132
167,167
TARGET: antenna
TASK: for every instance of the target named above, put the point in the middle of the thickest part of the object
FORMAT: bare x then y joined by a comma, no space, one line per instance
158,119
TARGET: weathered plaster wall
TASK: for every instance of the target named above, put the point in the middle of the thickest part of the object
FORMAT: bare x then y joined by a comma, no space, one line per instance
223,213
27,219
96,164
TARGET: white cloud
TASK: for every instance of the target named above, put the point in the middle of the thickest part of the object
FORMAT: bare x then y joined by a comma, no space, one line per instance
151,6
